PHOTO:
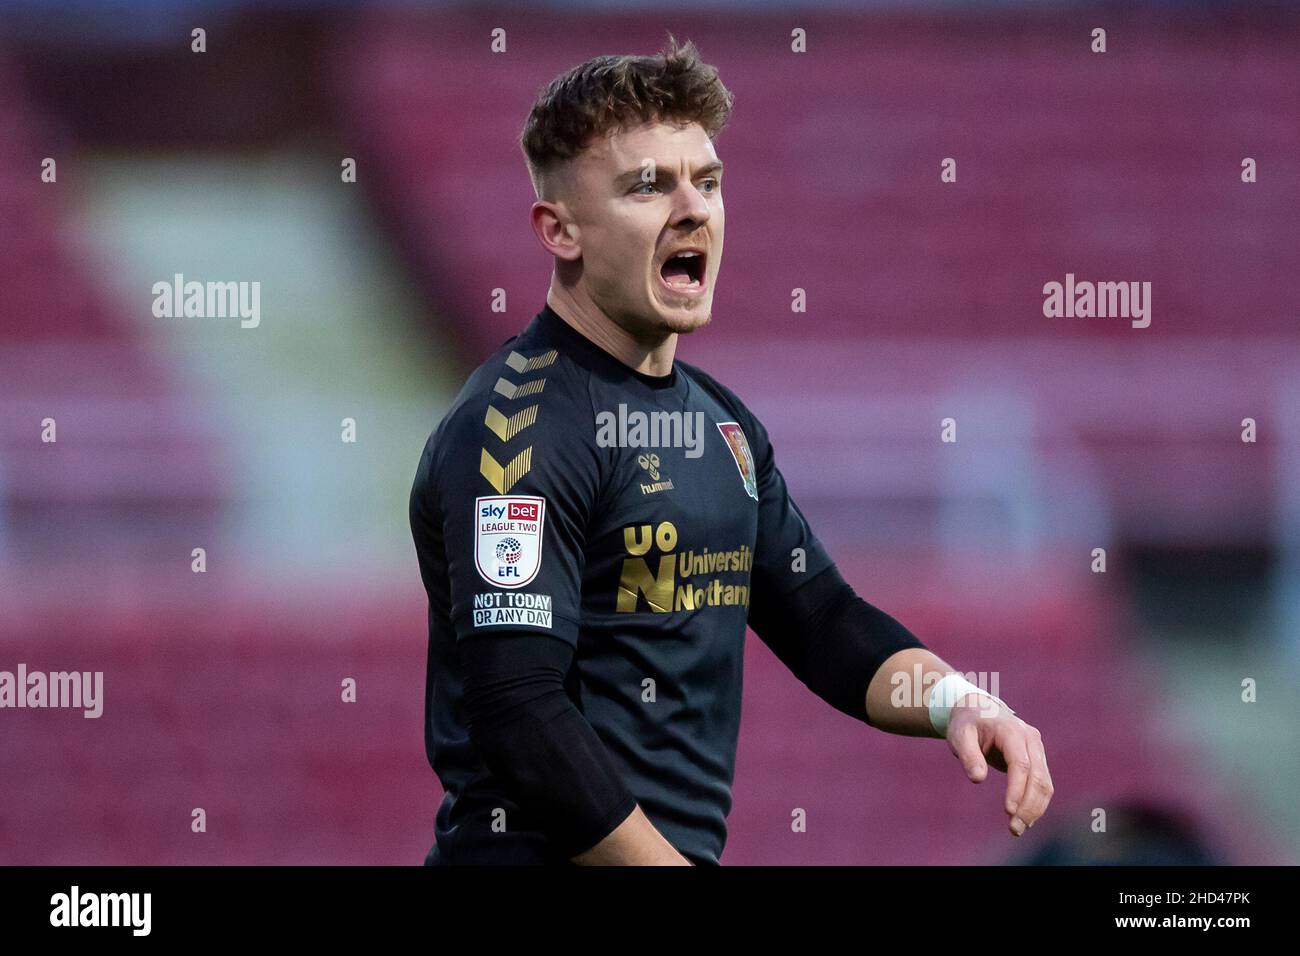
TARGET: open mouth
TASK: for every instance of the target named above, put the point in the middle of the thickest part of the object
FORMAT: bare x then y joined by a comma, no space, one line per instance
684,271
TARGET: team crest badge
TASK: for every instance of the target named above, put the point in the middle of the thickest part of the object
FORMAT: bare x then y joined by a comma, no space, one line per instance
739,446
508,539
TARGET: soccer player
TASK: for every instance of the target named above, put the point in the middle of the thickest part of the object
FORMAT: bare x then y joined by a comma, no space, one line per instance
589,588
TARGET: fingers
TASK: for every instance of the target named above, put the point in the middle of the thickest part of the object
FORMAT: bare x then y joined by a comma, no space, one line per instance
1014,748
965,745
1039,789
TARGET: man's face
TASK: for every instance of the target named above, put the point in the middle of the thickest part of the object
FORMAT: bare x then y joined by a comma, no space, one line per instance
643,200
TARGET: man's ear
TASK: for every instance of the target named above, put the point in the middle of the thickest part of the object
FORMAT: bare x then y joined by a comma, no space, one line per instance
555,230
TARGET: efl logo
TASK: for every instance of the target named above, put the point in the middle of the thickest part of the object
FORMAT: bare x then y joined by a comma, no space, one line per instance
508,539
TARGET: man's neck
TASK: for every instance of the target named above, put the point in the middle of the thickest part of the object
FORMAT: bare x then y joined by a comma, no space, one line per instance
584,316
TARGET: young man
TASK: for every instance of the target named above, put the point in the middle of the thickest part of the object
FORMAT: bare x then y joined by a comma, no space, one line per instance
589,587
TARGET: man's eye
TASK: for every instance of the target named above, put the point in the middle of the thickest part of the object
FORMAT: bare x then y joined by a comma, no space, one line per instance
710,182
645,186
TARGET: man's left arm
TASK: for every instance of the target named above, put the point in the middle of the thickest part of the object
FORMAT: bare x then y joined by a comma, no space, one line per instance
866,664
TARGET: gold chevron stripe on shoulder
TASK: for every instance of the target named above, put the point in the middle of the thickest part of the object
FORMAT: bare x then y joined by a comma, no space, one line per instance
507,428
521,363
511,390
503,479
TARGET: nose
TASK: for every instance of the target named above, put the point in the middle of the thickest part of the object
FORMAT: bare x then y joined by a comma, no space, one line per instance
692,209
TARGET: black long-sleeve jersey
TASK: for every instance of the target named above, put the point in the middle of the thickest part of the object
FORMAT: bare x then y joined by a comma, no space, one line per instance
642,521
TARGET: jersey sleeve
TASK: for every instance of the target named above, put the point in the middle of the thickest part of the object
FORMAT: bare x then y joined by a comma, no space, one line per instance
530,735
515,484
506,491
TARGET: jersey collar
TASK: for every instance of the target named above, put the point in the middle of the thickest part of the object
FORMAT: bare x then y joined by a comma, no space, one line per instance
572,341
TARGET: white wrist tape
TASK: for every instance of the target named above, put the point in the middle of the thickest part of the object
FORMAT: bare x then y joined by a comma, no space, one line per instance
944,696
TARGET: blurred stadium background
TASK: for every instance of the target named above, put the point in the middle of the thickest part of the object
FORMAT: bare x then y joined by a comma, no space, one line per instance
222,689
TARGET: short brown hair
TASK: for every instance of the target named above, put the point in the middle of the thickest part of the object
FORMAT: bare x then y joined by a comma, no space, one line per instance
609,93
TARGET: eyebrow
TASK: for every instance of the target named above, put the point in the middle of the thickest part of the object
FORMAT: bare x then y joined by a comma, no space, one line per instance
633,175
